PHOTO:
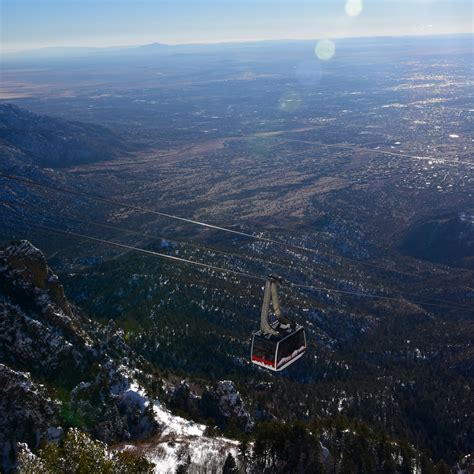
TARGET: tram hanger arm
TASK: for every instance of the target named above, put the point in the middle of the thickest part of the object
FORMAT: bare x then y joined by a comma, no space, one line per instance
271,292
264,324
276,304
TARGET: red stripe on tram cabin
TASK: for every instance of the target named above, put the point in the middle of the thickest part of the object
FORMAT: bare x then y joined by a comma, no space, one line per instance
263,361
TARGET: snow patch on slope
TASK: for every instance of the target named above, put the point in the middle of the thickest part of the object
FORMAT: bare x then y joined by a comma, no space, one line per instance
175,424
181,441
201,454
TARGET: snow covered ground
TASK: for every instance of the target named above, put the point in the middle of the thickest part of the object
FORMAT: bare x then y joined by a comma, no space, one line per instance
175,424
181,441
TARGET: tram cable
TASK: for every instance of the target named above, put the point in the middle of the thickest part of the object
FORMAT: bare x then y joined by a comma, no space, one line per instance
383,297
185,243
178,241
227,270
229,254
212,250
30,182
138,249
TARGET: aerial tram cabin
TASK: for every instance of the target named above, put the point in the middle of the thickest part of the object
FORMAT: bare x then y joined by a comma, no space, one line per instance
280,343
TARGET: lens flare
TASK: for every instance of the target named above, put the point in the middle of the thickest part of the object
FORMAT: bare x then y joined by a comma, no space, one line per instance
325,49
308,73
354,7
290,102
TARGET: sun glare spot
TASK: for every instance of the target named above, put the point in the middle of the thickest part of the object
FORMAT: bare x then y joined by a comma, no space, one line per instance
354,7
308,73
290,102
325,49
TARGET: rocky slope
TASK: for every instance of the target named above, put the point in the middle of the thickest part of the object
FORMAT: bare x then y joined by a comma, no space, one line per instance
30,139
86,369
58,369
28,414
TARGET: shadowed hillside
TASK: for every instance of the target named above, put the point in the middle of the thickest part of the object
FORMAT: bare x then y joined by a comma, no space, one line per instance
39,140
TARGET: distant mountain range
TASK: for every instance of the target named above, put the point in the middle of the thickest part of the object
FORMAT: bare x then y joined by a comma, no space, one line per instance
38,140
65,52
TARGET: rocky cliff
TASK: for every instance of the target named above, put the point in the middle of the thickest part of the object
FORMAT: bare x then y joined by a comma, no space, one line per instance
60,370
85,370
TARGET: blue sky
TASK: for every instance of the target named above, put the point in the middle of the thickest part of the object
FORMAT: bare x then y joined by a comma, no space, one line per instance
27,24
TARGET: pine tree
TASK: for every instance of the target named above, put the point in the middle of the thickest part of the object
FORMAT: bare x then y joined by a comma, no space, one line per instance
77,453
230,465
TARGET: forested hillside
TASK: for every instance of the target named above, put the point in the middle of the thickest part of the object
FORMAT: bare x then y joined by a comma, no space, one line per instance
67,380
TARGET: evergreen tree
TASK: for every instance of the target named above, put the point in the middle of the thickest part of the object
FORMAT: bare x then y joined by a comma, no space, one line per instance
230,466
77,453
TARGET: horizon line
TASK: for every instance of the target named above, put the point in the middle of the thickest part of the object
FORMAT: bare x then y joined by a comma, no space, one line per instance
228,42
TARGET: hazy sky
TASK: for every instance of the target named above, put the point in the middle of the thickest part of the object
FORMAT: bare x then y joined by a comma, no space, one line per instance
27,24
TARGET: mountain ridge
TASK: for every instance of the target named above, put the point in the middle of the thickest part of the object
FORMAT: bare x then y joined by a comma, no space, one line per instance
30,139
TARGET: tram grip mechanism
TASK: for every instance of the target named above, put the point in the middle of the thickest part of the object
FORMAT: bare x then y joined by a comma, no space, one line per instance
271,292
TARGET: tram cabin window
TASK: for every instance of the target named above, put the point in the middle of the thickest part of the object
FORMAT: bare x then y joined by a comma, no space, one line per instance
291,348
